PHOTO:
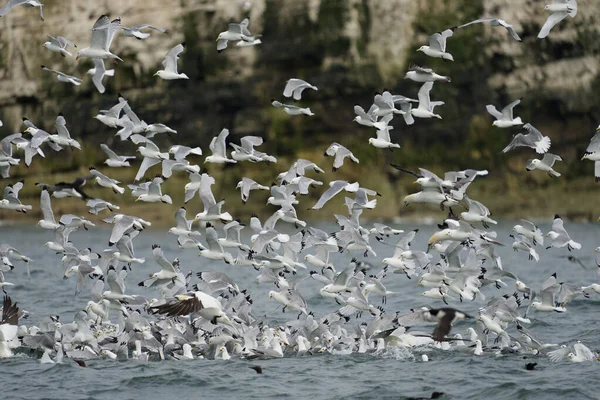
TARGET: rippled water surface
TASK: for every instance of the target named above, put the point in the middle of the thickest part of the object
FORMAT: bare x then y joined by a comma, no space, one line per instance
395,374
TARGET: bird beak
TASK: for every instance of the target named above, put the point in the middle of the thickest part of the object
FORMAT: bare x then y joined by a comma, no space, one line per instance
419,50
156,73
582,158
596,250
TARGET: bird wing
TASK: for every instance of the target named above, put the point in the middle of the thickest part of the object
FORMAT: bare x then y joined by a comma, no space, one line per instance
205,192
594,145
170,61
549,159
423,95
184,305
162,260
334,188
100,32
248,142
100,71
61,127
507,112
552,20
10,312
46,206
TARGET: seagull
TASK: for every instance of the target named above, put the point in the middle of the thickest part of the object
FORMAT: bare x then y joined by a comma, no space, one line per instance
382,139
154,194
235,32
579,353
59,45
533,138
368,118
8,326
545,164
106,182
592,153
335,187
560,237
477,213
294,88
219,149
48,221
97,205
493,22
62,137
169,273
98,73
103,33
170,64
212,209
505,118
437,45
115,160
136,31
5,9
426,106
340,153
530,231
292,110
64,77
246,151
421,74
523,243
154,129
10,200
246,185
67,189
151,152
111,117
6,153
559,9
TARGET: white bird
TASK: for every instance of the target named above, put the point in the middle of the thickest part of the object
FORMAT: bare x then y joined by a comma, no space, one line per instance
247,152
219,149
98,73
246,185
97,205
106,182
533,139
170,64
560,237
111,117
292,110
505,118
103,33
340,153
294,88
154,129
437,45
235,32
382,139
59,45
154,194
335,187
559,9
136,31
545,164
5,9
592,153
477,213
10,200
62,136
151,152
115,160
368,118
426,106
212,209
421,74
523,243
61,76
494,22
48,221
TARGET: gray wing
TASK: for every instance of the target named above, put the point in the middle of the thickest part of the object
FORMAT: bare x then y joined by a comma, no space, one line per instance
46,206
594,145
423,94
61,127
100,70
170,62
549,159
147,162
334,188
552,20
507,112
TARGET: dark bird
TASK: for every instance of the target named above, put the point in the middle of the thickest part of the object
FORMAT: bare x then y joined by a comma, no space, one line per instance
81,363
434,395
10,312
257,368
530,366
68,189
445,318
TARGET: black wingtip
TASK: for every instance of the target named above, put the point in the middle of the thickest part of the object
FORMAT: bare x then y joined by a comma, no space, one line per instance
183,44
556,216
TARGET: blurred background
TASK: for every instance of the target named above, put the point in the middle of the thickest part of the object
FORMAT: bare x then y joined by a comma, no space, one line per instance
349,49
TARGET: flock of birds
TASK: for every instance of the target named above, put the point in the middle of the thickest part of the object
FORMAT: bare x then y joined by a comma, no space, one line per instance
206,314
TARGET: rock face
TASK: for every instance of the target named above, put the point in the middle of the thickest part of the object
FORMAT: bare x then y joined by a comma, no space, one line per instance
349,49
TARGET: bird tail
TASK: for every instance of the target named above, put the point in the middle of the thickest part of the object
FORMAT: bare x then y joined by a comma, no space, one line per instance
554,173
543,145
